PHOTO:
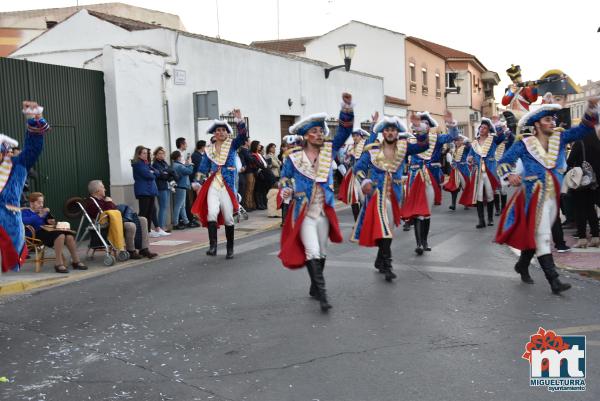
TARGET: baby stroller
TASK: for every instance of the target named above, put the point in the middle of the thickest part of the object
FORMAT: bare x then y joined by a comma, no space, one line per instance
98,233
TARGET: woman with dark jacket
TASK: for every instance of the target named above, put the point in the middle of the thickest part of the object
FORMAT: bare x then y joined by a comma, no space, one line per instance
584,200
262,176
144,184
165,175
183,172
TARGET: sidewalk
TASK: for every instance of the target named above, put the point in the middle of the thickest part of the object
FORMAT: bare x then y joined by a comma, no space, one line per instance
178,242
584,261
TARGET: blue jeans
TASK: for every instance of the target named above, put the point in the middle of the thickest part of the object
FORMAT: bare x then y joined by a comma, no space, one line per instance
179,209
163,206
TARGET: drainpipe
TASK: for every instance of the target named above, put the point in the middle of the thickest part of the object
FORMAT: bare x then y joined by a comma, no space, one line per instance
165,100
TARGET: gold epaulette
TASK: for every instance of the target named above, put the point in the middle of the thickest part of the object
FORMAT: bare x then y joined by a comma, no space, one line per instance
371,146
291,150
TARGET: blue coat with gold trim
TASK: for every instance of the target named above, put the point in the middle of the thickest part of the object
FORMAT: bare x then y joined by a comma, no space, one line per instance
301,181
542,174
225,161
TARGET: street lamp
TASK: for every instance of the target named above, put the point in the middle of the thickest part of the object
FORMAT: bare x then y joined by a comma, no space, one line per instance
457,82
347,52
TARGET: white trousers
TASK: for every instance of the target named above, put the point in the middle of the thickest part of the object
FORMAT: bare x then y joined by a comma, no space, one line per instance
461,180
314,234
543,233
218,199
430,195
484,183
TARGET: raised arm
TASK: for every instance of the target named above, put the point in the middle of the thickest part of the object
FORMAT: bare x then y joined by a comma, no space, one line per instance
587,126
242,135
452,126
346,122
34,138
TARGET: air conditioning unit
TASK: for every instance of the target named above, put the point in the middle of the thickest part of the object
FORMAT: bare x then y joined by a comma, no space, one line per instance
473,117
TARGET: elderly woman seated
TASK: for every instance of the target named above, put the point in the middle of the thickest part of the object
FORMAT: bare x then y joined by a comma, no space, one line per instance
98,192
44,224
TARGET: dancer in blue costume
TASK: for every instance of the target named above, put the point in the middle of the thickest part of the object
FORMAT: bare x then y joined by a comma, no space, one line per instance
526,223
13,174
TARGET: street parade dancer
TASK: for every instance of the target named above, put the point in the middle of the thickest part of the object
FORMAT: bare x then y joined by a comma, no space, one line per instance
379,171
425,175
349,191
307,178
526,223
13,174
500,195
461,171
217,201
484,181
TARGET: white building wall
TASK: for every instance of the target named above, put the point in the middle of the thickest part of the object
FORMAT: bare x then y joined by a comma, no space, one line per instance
378,51
257,82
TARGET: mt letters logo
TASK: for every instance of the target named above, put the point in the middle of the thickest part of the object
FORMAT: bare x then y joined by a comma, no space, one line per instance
556,362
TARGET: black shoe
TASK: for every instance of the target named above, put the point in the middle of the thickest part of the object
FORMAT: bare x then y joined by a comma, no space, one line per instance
146,252
452,207
558,286
134,255
179,226
79,266
193,224
212,238
229,231
563,248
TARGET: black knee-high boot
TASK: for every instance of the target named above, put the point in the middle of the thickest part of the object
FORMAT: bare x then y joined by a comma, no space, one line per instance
313,292
497,204
503,199
419,236
379,259
212,238
522,266
355,210
318,267
454,196
547,265
480,215
229,233
490,213
426,225
386,252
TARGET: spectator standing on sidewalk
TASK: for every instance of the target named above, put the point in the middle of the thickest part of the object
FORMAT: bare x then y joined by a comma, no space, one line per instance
275,163
144,185
183,170
586,199
182,147
165,175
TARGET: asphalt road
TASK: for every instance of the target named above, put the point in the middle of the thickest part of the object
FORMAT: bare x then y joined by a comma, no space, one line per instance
453,326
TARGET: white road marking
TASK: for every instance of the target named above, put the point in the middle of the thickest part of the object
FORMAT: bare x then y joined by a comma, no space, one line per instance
432,269
578,329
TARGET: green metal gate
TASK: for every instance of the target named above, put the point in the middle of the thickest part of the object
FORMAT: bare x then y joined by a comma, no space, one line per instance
75,150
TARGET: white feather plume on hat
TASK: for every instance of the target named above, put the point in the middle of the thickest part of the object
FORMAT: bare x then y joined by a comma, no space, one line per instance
424,115
218,123
317,117
10,142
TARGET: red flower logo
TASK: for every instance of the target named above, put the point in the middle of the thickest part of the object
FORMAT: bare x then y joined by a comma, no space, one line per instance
544,340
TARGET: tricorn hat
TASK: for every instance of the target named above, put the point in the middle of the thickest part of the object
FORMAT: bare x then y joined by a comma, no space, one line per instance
514,72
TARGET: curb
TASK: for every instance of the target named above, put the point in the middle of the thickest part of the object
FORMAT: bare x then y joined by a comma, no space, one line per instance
34,285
